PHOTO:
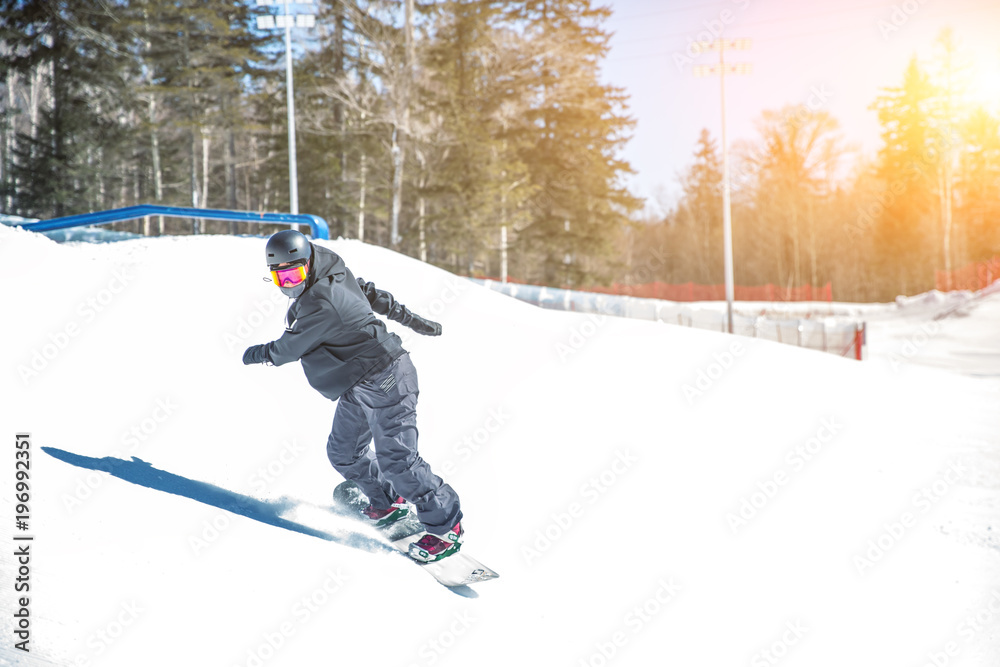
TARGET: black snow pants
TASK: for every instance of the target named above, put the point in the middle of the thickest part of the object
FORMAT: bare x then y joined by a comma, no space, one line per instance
382,411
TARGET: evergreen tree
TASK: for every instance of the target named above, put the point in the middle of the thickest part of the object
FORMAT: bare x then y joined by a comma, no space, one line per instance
700,214
201,60
908,170
326,149
347,111
575,129
979,186
66,163
473,92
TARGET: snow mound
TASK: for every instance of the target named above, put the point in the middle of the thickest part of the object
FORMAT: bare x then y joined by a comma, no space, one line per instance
648,493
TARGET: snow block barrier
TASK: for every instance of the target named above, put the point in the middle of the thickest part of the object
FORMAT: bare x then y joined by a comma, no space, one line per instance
837,335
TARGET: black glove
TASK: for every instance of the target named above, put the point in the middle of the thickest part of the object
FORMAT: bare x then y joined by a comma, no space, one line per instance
256,354
424,327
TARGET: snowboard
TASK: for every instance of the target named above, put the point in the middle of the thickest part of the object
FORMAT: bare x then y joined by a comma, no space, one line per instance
458,569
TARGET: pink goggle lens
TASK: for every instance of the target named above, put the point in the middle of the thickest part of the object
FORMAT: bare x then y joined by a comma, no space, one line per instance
290,276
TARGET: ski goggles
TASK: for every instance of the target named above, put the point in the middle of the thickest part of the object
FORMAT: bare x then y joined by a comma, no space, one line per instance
290,276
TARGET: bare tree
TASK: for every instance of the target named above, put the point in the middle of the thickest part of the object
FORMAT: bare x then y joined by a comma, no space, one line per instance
800,154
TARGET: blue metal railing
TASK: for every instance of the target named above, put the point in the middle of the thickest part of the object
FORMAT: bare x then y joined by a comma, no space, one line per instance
320,230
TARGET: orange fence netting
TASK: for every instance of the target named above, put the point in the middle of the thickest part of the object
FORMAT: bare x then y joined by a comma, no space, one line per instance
972,277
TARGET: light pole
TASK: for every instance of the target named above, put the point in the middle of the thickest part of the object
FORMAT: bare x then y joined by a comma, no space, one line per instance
288,21
721,68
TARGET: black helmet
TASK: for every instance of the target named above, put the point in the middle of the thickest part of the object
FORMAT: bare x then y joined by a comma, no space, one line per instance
288,246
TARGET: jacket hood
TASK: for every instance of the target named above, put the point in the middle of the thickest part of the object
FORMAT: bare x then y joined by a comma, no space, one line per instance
325,265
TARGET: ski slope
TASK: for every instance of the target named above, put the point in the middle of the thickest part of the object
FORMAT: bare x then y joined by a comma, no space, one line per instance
650,494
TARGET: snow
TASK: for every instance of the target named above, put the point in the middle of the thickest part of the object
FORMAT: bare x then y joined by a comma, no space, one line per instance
603,465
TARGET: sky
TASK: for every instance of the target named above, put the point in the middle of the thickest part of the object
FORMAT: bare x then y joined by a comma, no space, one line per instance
831,56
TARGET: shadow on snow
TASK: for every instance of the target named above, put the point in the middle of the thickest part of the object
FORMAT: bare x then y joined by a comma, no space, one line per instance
142,473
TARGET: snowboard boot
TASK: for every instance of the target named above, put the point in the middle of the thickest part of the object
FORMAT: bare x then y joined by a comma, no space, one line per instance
384,517
430,548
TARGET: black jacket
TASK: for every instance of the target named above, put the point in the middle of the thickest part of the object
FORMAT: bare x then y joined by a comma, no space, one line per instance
332,329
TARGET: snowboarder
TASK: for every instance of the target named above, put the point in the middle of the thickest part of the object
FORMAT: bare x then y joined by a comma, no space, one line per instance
349,356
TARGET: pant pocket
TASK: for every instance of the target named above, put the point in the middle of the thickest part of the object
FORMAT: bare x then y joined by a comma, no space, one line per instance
387,383
384,380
